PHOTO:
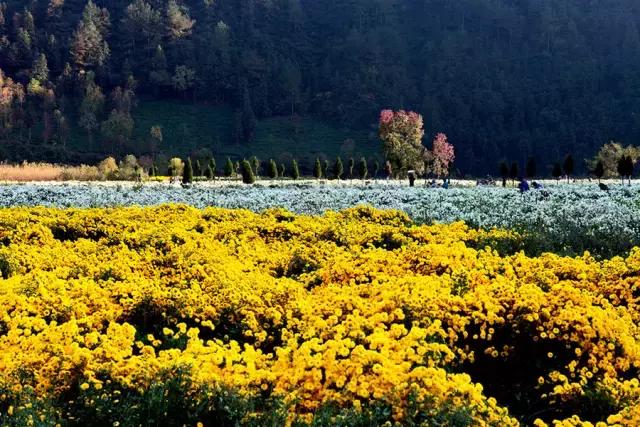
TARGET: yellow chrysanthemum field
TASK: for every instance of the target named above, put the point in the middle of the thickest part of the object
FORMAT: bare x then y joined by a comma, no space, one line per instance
221,317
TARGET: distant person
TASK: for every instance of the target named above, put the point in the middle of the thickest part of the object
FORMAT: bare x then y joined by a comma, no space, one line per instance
445,183
523,186
412,178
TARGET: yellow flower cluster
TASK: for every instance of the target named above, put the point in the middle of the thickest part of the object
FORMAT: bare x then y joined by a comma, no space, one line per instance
343,308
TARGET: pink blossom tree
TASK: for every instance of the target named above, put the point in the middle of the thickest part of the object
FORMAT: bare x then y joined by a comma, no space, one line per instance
442,155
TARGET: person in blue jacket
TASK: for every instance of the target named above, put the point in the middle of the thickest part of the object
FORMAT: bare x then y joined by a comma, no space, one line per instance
523,186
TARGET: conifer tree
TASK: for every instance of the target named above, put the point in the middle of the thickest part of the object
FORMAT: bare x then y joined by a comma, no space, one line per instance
187,174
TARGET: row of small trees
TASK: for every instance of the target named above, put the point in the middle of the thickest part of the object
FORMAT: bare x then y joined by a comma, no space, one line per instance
612,160
251,169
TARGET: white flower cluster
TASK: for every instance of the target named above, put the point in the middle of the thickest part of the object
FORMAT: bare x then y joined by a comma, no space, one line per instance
564,212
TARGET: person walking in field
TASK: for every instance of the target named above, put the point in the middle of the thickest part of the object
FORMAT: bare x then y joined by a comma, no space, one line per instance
523,186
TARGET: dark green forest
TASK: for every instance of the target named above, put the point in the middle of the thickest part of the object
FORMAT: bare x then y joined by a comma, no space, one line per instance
504,79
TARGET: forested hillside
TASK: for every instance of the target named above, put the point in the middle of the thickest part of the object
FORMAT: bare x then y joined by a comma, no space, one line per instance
505,79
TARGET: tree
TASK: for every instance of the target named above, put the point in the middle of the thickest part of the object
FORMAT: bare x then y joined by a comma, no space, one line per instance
599,171
531,168
504,173
228,168
89,47
40,69
117,129
176,167
325,169
338,169
557,171
272,170
282,170
295,172
187,175
180,24
401,133
248,117
209,173
513,171
317,169
376,168
442,155
246,170
183,79
363,170
568,166
625,168
212,167
609,155
255,165
352,164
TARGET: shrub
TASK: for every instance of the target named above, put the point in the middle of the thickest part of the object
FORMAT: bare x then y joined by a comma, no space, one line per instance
282,170
176,167
317,169
187,175
272,171
338,168
108,168
247,172
363,170
228,168
295,172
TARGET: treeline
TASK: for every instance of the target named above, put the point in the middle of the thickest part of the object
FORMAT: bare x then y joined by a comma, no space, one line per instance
506,79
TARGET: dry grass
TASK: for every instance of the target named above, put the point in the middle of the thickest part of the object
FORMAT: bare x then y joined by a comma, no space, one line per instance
25,172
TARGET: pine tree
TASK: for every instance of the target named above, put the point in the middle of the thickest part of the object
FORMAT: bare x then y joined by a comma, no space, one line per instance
228,168
295,172
273,169
317,169
325,169
568,166
513,171
282,170
598,171
504,173
352,164
187,174
246,170
208,173
198,169
338,169
212,168
376,168
255,165
363,169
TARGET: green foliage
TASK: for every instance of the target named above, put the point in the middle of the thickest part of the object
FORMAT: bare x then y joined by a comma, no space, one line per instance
363,170
212,168
295,172
255,165
282,170
338,168
187,175
229,168
317,169
246,171
352,164
376,168
272,171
